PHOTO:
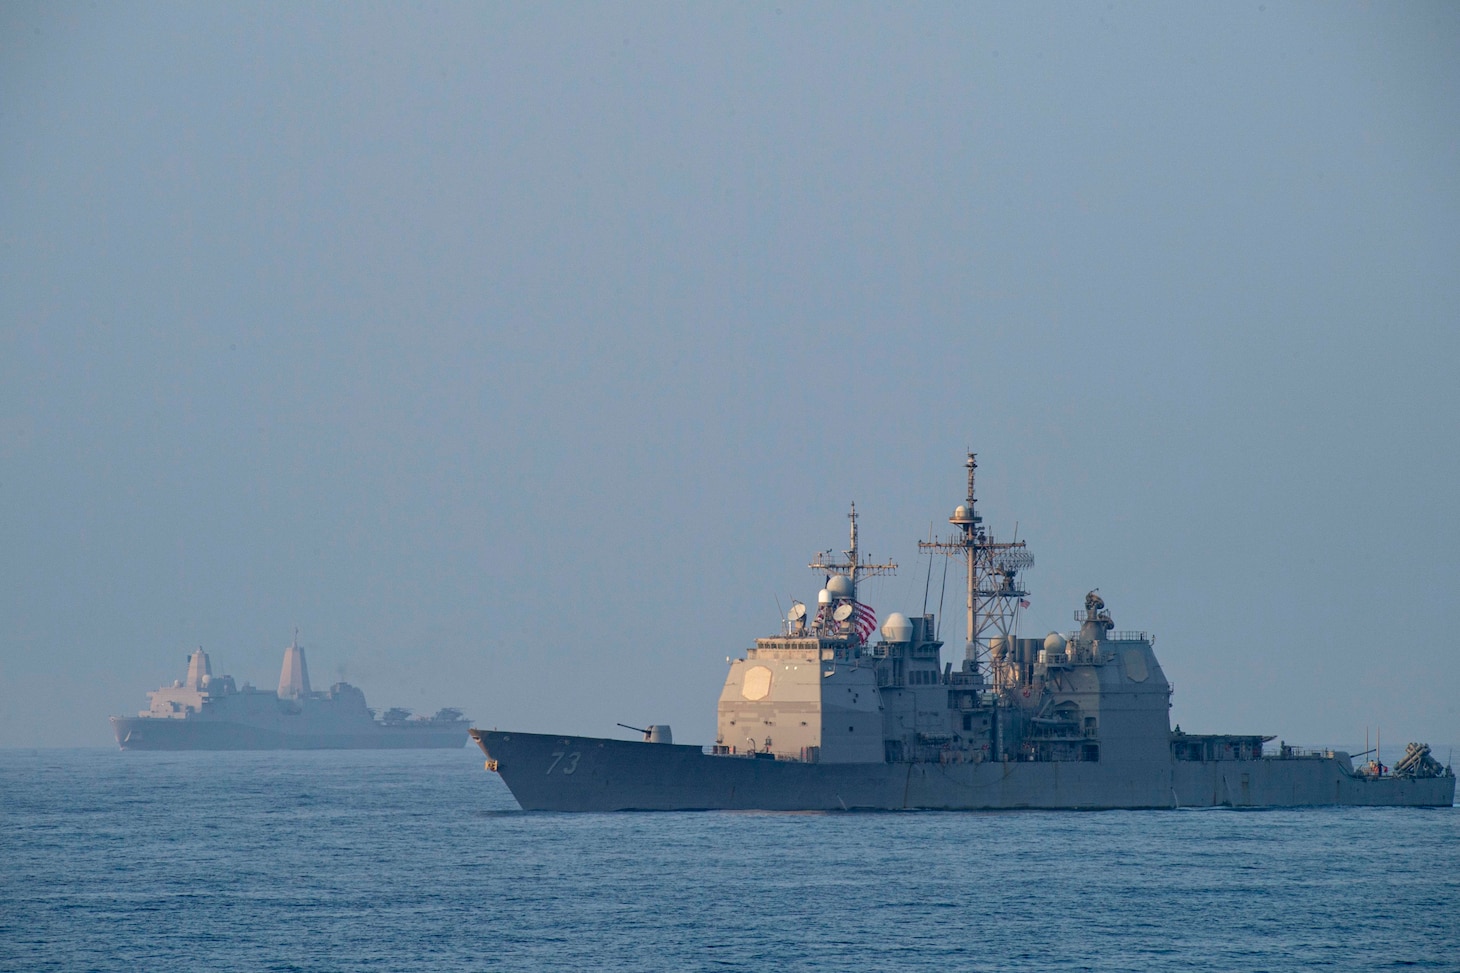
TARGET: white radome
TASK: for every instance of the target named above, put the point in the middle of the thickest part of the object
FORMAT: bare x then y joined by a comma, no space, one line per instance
840,586
897,628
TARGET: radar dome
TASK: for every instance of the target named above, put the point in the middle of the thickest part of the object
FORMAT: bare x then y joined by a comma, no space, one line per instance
823,597
840,586
960,514
1054,642
897,628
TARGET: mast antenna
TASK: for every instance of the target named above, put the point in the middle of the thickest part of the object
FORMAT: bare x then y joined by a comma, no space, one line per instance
992,573
853,568
928,582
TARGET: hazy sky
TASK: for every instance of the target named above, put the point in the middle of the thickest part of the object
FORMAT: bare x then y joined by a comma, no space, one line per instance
522,356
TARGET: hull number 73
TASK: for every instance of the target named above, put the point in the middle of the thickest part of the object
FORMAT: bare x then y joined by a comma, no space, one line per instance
570,765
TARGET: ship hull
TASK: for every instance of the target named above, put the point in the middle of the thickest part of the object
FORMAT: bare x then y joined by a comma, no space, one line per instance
148,733
557,773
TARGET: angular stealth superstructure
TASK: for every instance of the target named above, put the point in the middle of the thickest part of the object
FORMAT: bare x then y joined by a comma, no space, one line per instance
207,712
294,676
819,718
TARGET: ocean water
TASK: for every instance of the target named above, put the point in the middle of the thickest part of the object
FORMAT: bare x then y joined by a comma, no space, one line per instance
422,861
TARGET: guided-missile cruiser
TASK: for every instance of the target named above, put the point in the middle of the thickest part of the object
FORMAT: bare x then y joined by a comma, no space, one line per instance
821,717
207,712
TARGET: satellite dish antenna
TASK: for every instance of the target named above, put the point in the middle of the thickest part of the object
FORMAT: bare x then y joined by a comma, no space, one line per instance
842,613
798,611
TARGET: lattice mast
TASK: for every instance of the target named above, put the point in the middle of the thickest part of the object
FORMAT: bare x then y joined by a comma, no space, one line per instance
853,567
992,572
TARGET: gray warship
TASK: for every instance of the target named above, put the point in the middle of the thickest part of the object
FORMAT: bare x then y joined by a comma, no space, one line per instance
819,718
207,712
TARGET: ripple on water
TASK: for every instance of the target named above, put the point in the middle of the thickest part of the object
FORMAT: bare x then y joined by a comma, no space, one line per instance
420,861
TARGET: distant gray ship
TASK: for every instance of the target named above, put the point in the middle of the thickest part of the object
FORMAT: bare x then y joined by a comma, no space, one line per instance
818,718
207,712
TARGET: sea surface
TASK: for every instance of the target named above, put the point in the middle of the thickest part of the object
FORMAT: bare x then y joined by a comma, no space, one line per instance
422,861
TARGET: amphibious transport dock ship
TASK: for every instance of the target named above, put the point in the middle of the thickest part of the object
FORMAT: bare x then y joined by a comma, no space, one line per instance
819,718
207,712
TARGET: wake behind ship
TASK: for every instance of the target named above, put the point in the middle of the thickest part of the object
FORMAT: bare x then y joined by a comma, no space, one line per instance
207,712
820,718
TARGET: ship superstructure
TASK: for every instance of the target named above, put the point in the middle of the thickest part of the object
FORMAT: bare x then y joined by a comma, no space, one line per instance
820,717
207,712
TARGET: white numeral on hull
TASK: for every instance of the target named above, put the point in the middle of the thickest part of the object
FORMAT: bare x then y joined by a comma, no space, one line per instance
568,767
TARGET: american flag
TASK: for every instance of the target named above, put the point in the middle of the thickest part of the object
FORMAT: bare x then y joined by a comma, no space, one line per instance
1023,602
865,619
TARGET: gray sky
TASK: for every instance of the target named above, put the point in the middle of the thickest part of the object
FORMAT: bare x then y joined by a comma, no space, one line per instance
522,356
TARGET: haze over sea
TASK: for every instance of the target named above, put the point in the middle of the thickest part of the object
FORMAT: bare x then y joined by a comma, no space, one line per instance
422,861
520,356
